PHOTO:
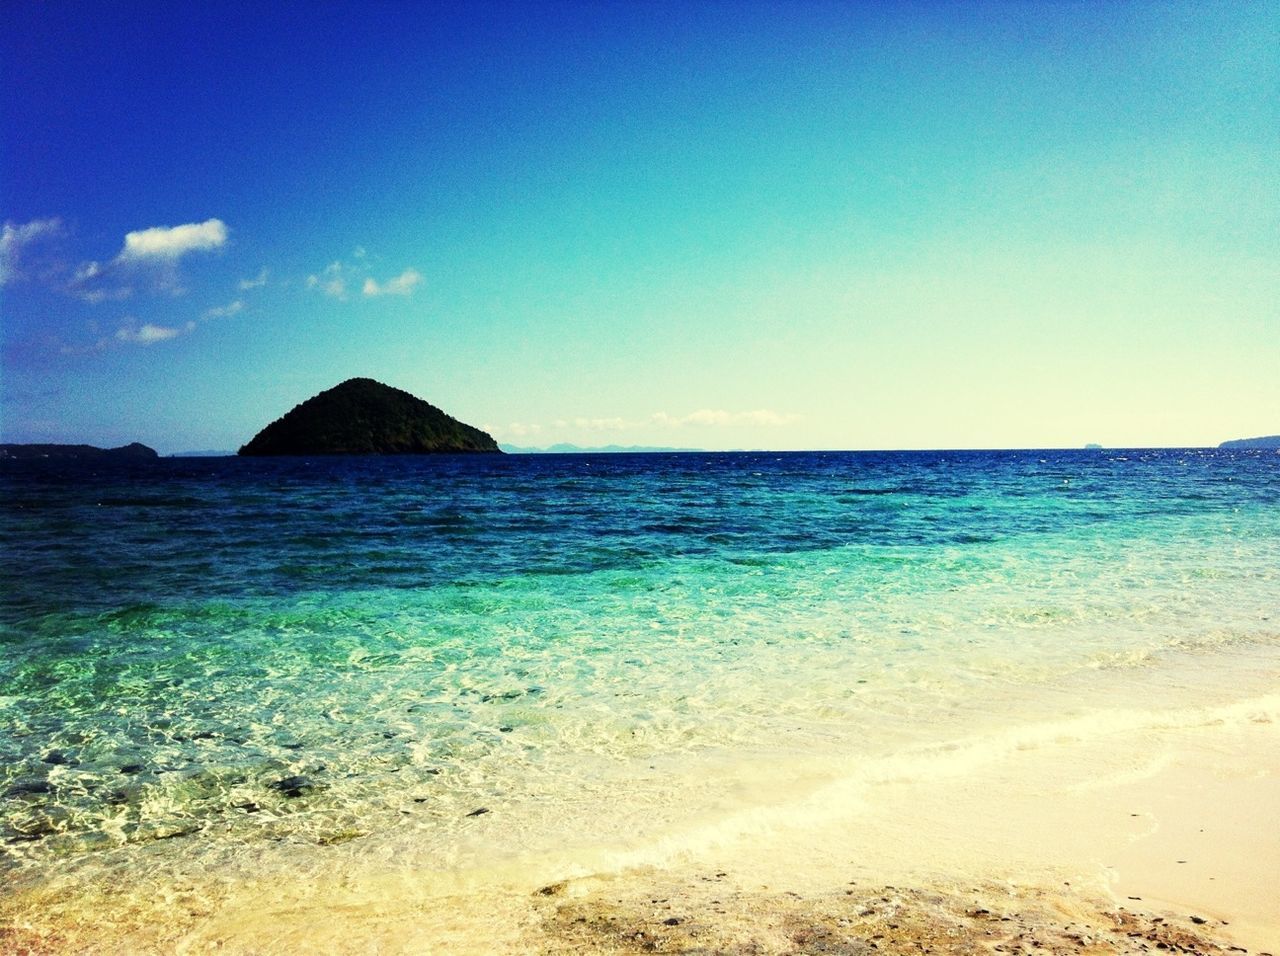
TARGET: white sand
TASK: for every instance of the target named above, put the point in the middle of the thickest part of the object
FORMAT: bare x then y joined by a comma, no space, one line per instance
1165,806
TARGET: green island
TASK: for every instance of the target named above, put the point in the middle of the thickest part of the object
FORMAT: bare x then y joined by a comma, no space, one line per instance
364,417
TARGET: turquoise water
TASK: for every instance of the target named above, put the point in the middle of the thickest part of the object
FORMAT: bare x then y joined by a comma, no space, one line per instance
207,655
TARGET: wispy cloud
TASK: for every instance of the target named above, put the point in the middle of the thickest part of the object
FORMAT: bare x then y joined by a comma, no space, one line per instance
169,243
403,284
331,281
340,279
705,417
130,333
14,237
702,418
600,424
148,259
148,256
149,334
516,429
244,285
223,311
93,282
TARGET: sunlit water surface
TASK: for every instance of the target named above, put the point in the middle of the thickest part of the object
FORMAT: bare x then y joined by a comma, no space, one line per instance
218,660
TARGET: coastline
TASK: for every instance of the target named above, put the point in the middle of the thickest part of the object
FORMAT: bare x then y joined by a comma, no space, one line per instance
1078,833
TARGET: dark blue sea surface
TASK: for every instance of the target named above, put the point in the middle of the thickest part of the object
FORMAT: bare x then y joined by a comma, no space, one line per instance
107,536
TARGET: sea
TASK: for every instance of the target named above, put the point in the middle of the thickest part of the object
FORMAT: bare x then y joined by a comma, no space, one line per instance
457,665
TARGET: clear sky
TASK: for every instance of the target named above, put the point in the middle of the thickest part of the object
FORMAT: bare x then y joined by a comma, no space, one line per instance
721,224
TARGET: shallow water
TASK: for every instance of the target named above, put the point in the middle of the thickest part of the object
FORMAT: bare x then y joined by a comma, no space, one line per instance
209,661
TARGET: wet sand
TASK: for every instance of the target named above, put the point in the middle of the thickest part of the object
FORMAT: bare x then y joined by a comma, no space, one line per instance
1139,837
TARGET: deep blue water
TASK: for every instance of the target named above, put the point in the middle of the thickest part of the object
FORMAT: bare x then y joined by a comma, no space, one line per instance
192,528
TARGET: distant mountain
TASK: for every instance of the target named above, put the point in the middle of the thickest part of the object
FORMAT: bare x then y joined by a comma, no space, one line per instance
565,449
203,453
134,451
1266,441
364,417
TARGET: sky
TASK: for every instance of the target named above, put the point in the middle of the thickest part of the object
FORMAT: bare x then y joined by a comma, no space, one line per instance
778,225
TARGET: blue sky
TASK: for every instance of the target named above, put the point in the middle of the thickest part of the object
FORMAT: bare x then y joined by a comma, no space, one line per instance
790,225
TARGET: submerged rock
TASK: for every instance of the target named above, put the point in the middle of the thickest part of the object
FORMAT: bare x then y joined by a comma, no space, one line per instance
294,786
29,787
36,826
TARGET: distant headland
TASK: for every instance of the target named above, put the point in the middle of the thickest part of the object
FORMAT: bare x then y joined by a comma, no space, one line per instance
1266,441
134,451
364,417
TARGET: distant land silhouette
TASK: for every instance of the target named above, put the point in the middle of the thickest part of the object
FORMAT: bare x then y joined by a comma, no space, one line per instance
134,451
364,417
1266,441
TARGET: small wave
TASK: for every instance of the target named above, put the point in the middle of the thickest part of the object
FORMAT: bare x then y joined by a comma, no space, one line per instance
854,790
668,528
445,519
158,501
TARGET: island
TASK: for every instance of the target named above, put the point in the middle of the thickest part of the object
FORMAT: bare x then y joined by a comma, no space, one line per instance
134,451
364,417
1266,441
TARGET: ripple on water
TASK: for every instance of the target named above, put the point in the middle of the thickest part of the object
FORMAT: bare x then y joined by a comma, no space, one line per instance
529,631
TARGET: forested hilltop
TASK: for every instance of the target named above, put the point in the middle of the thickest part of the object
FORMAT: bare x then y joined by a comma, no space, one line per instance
364,417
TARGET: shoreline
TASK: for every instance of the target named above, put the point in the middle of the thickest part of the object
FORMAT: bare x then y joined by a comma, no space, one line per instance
1087,828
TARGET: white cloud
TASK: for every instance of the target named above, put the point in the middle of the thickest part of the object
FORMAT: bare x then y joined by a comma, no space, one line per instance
93,282
403,284
168,243
763,416
98,346
131,333
331,281
223,311
15,236
520,430
149,334
338,278
600,424
246,284
149,256
94,296
705,417
87,271
702,418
